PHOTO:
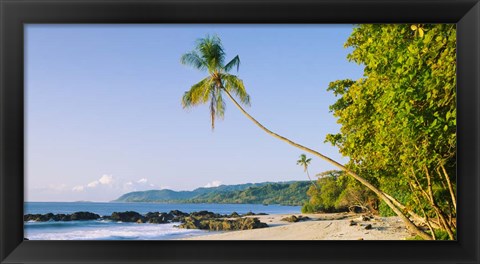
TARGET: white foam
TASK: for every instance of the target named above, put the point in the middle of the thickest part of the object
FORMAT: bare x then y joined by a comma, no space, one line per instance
113,232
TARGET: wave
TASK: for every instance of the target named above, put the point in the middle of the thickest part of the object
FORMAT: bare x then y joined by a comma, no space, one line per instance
97,230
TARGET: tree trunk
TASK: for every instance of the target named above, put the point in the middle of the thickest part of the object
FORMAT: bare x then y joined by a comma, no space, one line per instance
415,216
410,226
439,212
450,188
313,183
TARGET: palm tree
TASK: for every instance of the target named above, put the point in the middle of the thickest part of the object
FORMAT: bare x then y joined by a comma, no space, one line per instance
304,162
209,55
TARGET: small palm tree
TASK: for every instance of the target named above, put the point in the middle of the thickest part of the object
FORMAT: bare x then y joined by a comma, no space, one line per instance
210,56
304,162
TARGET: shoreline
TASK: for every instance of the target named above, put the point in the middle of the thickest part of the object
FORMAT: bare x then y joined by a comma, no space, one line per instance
335,226
282,226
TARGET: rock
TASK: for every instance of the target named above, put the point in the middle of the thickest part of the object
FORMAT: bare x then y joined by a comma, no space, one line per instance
222,225
60,217
63,217
190,223
129,216
205,215
234,215
369,226
159,218
364,218
178,216
178,213
353,223
30,217
294,218
83,216
357,209
291,219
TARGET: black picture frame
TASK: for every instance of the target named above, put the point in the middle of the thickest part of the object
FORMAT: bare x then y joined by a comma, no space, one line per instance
15,13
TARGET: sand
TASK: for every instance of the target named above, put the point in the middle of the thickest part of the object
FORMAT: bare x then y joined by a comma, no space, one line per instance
320,227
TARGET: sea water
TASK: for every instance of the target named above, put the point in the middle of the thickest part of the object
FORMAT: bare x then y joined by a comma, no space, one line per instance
112,230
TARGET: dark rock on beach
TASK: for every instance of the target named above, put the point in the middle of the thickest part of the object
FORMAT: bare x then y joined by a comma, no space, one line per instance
294,219
222,224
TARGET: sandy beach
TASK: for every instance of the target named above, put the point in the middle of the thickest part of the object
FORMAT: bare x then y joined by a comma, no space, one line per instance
319,227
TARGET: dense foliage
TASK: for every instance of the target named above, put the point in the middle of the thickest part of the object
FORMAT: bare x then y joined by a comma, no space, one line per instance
273,193
398,123
170,195
286,193
339,192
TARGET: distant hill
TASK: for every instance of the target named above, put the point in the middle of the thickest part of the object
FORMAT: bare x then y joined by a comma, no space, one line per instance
287,193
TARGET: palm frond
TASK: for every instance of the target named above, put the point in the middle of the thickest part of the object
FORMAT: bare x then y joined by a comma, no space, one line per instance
303,160
220,106
193,59
211,51
234,62
198,93
235,85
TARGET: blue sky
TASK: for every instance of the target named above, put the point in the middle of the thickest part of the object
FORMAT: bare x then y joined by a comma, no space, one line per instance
104,114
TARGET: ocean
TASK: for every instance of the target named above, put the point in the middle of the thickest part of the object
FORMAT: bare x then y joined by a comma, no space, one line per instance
111,230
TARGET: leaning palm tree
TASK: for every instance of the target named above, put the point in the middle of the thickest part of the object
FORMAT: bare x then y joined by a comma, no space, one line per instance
304,162
209,56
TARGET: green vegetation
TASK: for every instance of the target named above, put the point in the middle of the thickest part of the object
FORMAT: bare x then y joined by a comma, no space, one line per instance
398,123
304,162
287,193
209,56
339,192
273,193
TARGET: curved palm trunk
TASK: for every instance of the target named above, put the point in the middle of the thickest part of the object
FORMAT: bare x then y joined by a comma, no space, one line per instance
313,183
410,226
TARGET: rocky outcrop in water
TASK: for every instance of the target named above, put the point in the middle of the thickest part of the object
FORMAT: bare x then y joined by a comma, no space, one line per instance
129,216
196,220
60,217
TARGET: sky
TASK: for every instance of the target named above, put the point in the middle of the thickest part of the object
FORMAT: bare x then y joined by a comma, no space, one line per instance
104,114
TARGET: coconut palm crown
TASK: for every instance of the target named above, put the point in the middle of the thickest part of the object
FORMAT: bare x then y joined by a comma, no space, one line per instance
209,56
304,162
